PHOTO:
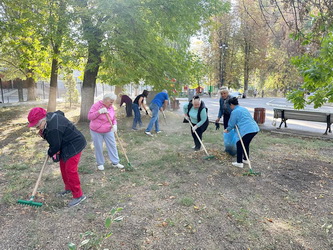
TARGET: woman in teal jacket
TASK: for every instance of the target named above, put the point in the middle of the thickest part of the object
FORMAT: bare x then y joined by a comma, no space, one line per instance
196,112
247,126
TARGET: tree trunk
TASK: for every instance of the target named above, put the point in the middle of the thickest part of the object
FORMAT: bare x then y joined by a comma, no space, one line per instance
117,91
31,87
89,82
18,83
94,35
246,67
52,104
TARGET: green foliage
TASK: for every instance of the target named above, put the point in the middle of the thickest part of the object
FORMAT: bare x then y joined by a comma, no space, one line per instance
149,39
94,240
317,74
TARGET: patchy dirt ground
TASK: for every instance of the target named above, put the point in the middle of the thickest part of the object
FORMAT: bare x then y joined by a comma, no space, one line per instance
173,198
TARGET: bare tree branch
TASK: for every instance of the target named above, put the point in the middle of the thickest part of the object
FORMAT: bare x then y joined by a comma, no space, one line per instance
262,8
249,14
277,5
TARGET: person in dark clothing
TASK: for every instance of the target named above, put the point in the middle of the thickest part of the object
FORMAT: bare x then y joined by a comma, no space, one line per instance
138,104
66,143
196,112
128,101
225,109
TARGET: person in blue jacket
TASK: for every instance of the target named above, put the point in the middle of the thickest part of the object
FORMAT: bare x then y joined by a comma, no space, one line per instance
247,126
196,112
160,102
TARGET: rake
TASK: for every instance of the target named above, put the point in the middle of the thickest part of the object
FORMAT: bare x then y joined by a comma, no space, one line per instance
247,157
164,117
31,201
121,145
208,157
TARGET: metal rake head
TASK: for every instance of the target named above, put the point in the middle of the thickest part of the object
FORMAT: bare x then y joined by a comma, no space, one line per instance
251,173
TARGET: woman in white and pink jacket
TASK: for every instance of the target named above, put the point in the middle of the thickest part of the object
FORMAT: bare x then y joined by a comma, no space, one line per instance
102,130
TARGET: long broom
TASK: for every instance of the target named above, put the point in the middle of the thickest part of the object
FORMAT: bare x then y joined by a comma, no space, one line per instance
121,145
247,157
31,201
208,157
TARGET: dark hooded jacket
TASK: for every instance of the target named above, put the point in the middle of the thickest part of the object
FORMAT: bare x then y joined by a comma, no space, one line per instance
62,136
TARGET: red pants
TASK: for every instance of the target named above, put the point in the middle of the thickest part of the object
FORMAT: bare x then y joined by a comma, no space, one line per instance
70,175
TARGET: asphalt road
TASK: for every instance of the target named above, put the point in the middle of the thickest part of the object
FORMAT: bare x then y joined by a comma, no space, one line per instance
294,126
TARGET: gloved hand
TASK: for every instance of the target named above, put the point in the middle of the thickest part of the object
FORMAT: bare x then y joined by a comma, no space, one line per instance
56,157
195,128
217,125
147,112
186,118
103,111
140,109
114,128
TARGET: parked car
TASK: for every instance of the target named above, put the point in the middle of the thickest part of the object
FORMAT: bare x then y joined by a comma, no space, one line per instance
236,94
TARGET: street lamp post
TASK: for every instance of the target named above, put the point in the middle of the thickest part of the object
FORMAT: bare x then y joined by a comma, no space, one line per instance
223,47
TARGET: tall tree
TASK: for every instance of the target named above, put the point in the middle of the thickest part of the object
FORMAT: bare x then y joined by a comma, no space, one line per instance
21,45
133,40
310,23
57,19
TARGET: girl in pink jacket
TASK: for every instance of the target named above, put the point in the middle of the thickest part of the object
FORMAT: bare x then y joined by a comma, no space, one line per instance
102,130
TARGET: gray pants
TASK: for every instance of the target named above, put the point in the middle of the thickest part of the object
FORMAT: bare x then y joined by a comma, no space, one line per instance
111,146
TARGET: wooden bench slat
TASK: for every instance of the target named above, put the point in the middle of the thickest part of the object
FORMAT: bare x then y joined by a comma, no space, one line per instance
314,116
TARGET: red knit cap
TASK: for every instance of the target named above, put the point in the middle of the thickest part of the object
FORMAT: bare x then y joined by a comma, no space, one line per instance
35,115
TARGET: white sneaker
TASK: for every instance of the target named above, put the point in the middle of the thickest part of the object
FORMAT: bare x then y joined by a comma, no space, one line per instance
160,131
239,165
100,167
118,165
245,161
148,133
193,147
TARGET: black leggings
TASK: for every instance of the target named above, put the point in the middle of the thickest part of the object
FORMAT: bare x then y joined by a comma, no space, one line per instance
225,121
199,131
246,140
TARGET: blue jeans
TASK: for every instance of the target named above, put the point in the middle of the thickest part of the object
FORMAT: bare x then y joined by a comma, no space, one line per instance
137,116
154,120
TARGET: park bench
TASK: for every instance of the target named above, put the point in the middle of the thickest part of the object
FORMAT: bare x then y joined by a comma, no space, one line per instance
314,116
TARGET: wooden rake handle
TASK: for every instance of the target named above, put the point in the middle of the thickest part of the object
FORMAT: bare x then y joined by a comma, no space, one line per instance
121,145
164,117
195,132
39,178
244,149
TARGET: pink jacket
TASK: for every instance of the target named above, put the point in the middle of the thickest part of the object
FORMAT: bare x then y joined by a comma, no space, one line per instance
99,122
